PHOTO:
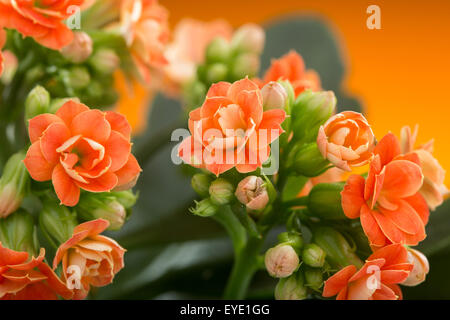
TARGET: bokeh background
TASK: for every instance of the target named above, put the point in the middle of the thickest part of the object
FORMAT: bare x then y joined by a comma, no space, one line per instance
397,76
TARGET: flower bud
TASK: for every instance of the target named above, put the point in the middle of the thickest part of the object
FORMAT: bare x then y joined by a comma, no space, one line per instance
13,184
37,102
252,192
79,77
10,63
281,261
204,208
245,65
313,255
306,160
105,61
216,72
56,221
292,238
194,93
274,96
79,49
249,38
102,206
17,232
309,112
218,50
200,183
291,288
314,278
337,249
420,268
221,191
126,198
324,201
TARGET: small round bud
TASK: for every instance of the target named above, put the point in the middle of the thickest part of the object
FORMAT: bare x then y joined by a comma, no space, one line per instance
324,201
79,49
292,238
252,192
200,183
291,288
37,102
307,160
249,38
79,77
313,255
281,261
17,232
245,65
216,72
221,191
218,50
204,208
314,278
105,61
420,269
274,96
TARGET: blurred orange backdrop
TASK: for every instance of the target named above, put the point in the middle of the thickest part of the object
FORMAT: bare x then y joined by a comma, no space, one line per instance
400,72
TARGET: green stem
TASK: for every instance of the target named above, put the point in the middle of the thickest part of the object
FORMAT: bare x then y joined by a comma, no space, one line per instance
233,227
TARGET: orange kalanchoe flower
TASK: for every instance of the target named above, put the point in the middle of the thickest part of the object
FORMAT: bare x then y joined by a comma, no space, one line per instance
388,201
144,24
22,278
433,187
347,140
82,148
41,20
376,280
89,258
292,67
231,130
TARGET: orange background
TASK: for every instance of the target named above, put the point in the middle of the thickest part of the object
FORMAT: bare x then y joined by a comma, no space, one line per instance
400,72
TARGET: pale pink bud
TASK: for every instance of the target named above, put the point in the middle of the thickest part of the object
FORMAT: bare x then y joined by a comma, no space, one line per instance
252,192
420,268
281,261
79,49
274,96
249,38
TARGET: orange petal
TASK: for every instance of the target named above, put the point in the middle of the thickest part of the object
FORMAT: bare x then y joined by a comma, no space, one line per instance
385,293
419,204
405,218
118,148
93,227
251,103
54,282
338,281
66,190
128,173
237,87
56,38
69,110
371,227
402,179
39,168
56,134
11,257
38,124
388,148
92,124
393,254
219,89
119,123
212,104
104,183
352,196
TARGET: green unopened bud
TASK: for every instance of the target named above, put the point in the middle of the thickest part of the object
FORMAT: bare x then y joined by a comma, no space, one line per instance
324,201
216,72
17,232
339,252
57,221
79,49
249,38
313,255
281,261
294,239
10,64
79,77
102,206
309,112
274,96
306,160
291,288
13,184
218,50
126,198
37,102
245,65
200,183
104,61
221,191
204,208
314,278
194,93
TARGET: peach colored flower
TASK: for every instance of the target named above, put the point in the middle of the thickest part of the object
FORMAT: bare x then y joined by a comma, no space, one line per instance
144,24
376,280
347,140
89,258
252,192
41,20
433,188
231,130
22,278
388,201
291,67
187,50
81,148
